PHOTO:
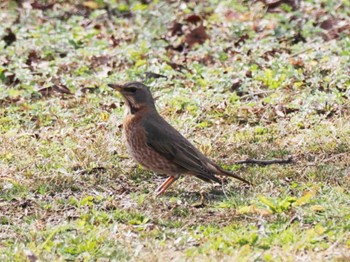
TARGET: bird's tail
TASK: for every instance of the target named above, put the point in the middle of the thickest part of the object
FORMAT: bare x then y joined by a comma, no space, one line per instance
223,172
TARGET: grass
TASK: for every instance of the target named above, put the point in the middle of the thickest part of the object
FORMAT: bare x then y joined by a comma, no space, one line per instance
263,85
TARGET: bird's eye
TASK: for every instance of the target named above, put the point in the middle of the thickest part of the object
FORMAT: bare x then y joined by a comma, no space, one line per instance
130,89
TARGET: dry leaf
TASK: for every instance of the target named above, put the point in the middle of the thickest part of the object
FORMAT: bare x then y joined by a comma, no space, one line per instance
176,29
235,85
196,36
91,4
317,208
193,19
307,196
47,91
9,37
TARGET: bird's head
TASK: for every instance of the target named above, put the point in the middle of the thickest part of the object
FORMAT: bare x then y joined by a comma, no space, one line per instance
136,95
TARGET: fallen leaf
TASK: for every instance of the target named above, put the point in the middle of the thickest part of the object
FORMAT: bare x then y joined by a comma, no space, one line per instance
241,40
328,23
296,62
273,4
235,85
40,6
334,28
307,196
252,209
154,75
193,19
268,203
232,15
47,91
91,4
317,208
196,36
280,110
176,29
319,229
88,89
99,60
177,67
9,37
32,59
178,48
10,78
249,74
298,37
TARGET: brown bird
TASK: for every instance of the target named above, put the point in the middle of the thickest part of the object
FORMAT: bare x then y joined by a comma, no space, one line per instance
158,146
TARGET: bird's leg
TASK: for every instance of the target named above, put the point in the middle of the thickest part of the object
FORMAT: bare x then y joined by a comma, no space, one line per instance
166,184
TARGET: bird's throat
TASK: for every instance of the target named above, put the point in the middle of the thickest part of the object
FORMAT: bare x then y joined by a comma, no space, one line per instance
132,108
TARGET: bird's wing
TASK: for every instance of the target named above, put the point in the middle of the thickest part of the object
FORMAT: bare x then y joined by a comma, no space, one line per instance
167,141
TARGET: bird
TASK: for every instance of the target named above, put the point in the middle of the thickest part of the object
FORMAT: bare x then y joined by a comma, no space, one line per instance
157,145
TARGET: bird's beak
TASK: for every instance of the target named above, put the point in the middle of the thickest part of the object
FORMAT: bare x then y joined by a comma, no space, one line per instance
116,86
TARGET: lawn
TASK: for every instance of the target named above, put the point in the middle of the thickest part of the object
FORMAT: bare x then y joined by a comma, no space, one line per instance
240,79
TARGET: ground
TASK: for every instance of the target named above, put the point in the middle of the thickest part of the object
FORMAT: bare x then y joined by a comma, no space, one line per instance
240,79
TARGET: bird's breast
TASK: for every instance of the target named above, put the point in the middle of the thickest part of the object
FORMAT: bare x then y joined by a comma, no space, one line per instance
134,134
136,141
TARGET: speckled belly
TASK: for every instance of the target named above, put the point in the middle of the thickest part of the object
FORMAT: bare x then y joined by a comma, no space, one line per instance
136,143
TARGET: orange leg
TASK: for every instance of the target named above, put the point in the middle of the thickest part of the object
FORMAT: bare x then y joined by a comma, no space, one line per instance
167,183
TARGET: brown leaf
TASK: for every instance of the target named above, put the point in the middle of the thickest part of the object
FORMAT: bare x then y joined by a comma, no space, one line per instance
176,29
249,74
333,28
235,85
113,106
298,37
47,91
196,36
88,89
193,19
97,61
119,13
115,41
273,4
12,79
241,40
31,256
8,101
62,89
288,110
271,53
154,75
33,57
178,48
232,15
40,6
329,23
207,59
82,10
177,67
9,37
94,171
280,110
296,62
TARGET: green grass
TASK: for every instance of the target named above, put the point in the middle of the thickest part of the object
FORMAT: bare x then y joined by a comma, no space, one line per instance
264,85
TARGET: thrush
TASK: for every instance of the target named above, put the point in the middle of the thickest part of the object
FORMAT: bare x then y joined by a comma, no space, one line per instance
158,146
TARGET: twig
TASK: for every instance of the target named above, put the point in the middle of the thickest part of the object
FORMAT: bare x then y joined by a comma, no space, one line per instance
264,162
223,189
302,51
